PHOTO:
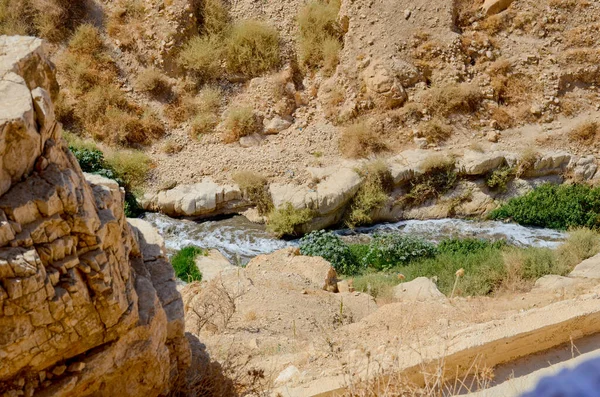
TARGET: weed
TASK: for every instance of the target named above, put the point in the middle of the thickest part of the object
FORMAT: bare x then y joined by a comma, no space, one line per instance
215,18
203,123
453,99
499,178
581,244
435,130
153,82
252,48
239,122
372,194
390,250
585,132
202,56
359,140
286,220
376,284
319,35
255,187
527,161
330,247
437,177
184,263
209,99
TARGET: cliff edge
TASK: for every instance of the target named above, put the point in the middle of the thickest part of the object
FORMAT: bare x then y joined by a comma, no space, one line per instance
88,302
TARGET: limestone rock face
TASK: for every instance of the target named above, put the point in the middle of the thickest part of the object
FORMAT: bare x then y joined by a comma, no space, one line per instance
84,309
383,86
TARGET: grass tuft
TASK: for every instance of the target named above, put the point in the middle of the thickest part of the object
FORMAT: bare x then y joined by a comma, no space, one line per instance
184,263
358,140
252,48
286,220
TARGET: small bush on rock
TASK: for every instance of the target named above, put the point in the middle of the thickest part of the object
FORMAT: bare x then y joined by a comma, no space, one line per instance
252,48
438,177
554,206
499,178
256,188
372,194
184,263
284,221
330,247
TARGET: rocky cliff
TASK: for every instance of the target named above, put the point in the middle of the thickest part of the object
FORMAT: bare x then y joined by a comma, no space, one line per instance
88,304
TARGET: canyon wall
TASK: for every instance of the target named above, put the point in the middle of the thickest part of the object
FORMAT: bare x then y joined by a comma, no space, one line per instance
88,301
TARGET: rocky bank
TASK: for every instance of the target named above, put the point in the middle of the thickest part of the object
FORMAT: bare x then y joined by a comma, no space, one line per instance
88,303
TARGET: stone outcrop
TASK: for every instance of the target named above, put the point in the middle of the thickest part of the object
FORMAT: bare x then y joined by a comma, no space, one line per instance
88,303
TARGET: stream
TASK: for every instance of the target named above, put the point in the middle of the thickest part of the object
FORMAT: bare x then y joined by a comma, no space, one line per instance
240,240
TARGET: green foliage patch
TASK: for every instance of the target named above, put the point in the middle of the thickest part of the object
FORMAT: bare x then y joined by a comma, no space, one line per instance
184,263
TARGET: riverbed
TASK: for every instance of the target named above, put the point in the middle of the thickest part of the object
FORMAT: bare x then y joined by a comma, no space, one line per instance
240,240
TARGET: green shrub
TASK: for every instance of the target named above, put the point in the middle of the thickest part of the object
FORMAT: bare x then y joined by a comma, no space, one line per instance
285,221
466,246
554,206
132,166
90,160
252,48
330,247
202,56
372,194
185,265
319,35
499,178
390,250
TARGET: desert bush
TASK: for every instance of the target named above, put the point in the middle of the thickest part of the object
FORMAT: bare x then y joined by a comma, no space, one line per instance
131,166
184,263
454,98
319,35
153,82
499,178
209,99
256,188
372,194
330,247
202,56
359,140
203,123
239,122
526,162
585,132
53,20
286,220
438,176
513,89
435,130
252,48
389,250
215,18
554,206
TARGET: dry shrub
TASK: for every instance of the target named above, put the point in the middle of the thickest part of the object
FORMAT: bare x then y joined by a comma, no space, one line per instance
372,194
239,122
132,166
496,23
359,140
53,20
170,146
209,99
581,244
435,130
153,82
203,123
202,55
319,35
500,67
453,98
583,36
255,188
528,159
182,109
502,117
585,132
215,18
252,48
438,176
569,4
514,89
125,22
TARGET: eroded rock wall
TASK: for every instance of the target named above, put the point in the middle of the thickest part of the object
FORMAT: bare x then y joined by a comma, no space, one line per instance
88,303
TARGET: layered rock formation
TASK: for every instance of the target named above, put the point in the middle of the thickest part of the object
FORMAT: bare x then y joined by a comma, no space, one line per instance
88,303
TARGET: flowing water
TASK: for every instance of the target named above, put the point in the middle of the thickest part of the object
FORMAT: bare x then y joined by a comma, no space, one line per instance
240,240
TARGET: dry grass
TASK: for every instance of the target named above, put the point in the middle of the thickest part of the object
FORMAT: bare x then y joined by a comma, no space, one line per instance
153,82
514,89
526,161
202,55
255,187
503,119
239,122
252,48
435,130
585,132
125,23
203,123
215,18
170,146
359,140
319,35
209,99
53,20
453,99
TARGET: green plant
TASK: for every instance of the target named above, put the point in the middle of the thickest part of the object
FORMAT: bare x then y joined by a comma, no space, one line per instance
467,246
554,206
184,263
372,194
256,188
581,244
319,35
438,176
286,220
239,122
131,166
90,160
390,250
203,123
376,284
252,48
330,247
499,178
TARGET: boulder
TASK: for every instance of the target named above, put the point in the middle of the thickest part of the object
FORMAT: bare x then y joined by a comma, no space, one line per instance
589,268
553,282
476,163
383,86
551,163
251,140
420,289
491,7
275,125
213,264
